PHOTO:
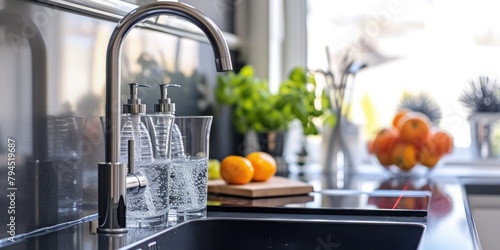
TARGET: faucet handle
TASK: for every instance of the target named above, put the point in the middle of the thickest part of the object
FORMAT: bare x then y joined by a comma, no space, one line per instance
131,156
135,182
134,105
164,104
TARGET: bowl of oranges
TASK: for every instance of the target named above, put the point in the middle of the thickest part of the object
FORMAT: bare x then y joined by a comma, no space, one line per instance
412,145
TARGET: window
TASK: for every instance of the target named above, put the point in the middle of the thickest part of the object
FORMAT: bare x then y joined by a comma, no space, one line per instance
436,46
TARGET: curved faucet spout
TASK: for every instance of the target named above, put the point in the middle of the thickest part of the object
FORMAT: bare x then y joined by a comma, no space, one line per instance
112,173
113,67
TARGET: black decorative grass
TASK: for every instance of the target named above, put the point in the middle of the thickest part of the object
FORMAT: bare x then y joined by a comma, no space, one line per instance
424,103
482,95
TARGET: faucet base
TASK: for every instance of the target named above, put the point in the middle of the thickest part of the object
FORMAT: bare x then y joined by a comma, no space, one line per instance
116,231
111,241
112,197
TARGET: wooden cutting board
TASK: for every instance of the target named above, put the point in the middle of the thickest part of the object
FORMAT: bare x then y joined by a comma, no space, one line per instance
222,200
276,186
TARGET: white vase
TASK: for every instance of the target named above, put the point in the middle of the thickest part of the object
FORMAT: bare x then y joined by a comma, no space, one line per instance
485,135
341,148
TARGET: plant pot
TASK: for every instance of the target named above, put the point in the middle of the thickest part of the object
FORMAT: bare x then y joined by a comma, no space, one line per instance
485,135
225,140
273,143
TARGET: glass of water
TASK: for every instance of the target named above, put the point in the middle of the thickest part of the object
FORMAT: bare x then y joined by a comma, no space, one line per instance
188,168
151,161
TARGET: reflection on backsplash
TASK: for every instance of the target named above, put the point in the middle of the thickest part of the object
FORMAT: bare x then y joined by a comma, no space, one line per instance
65,150
53,85
192,98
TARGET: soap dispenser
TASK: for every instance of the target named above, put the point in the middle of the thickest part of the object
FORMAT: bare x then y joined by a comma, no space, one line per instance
134,128
168,143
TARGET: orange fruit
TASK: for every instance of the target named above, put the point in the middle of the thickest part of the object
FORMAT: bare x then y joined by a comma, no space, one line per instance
398,116
382,145
428,155
263,164
428,146
404,155
443,141
236,169
385,159
428,159
414,127
385,140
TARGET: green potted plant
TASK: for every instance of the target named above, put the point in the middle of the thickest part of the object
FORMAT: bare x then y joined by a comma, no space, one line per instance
255,108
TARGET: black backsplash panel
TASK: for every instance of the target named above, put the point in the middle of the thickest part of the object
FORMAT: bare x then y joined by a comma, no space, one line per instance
52,68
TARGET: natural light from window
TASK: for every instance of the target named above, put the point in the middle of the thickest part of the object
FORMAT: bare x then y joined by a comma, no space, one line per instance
436,46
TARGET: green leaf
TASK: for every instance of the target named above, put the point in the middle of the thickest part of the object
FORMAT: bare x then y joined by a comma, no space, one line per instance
331,120
298,75
325,101
317,113
247,71
247,104
311,80
258,127
310,129
299,111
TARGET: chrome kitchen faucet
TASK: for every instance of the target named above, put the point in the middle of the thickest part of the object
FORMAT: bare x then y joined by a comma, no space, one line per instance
112,175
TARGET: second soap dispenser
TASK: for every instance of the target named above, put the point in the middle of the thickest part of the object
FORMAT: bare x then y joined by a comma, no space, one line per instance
134,128
168,139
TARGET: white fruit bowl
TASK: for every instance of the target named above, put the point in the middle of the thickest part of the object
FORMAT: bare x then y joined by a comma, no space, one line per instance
418,170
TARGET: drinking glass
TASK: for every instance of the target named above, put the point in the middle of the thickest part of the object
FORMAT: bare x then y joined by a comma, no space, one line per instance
188,168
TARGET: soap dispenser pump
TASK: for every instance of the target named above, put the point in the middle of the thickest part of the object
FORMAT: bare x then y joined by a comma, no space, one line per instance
165,105
167,133
134,128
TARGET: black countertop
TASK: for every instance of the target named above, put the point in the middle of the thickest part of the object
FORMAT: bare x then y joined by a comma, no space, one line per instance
440,196
437,201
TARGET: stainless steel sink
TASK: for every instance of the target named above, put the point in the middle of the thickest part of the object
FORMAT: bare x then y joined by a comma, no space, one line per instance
240,233
483,202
